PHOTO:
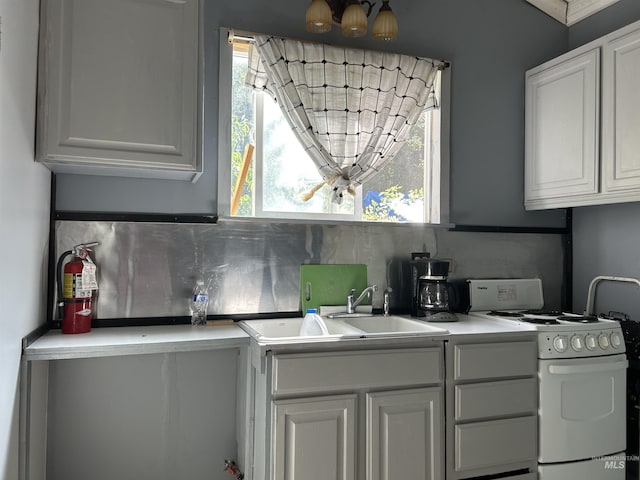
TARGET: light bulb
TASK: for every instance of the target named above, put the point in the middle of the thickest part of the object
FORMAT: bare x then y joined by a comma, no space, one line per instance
354,20
385,25
319,17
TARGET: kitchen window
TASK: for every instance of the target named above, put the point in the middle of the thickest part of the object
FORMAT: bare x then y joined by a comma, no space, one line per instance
258,147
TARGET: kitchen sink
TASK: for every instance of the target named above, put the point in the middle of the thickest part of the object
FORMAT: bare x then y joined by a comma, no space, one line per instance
288,329
393,325
374,326
350,315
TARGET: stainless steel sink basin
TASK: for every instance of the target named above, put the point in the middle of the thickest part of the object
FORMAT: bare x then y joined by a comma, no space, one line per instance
288,329
393,325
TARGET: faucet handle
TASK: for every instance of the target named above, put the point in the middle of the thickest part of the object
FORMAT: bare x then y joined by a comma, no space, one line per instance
387,301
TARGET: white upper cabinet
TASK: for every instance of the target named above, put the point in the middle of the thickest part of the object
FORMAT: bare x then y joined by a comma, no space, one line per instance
582,115
621,115
120,89
562,128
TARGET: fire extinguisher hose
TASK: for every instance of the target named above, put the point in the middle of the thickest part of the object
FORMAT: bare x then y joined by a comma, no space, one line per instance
59,275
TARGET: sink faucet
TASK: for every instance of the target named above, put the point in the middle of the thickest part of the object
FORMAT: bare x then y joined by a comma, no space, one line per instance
352,304
386,306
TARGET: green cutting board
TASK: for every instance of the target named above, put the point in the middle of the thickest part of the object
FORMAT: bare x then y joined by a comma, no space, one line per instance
330,284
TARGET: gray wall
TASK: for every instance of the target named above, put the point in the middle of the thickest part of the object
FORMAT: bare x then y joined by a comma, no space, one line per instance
606,243
606,237
489,56
24,214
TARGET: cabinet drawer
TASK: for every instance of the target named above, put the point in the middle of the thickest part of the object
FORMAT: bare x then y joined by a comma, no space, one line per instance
495,360
493,399
525,476
348,371
501,442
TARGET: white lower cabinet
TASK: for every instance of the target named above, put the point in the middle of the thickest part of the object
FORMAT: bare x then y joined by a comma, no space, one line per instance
315,438
404,430
351,415
381,414
492,403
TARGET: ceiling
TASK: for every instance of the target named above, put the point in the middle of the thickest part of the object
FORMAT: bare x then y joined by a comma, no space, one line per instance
569,12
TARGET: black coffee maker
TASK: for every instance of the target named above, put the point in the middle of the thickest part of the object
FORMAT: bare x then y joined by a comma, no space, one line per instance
432,296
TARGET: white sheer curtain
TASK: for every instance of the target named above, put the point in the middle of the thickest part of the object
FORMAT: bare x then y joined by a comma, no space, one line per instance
351,109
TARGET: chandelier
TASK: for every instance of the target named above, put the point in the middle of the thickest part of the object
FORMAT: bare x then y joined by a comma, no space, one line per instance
352,17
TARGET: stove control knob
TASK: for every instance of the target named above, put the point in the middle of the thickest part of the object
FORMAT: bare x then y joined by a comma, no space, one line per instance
576,343
560,343
616,341
603,341
591,342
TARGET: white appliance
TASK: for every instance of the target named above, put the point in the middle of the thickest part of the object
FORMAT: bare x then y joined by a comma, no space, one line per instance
582,380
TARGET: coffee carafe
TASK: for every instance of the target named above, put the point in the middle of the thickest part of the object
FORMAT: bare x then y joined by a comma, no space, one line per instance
433,297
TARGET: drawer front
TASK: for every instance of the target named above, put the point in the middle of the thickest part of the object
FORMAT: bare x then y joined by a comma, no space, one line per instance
495,360
493,399
525,476
501,442
348,371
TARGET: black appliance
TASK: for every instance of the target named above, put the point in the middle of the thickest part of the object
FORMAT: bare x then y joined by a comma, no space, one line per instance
631,333
432,297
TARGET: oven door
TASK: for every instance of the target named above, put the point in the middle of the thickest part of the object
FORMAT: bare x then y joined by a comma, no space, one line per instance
582,408
611,467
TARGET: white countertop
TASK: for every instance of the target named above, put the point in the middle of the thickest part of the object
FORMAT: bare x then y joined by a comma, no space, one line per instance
112,341
476,325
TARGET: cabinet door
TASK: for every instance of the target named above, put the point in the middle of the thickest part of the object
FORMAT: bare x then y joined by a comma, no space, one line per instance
315,438
562,130
119,87
405,435
621,114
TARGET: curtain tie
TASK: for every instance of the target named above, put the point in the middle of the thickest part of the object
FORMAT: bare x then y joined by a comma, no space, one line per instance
339,183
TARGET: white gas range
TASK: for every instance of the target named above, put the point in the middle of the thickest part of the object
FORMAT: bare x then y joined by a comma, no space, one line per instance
582,380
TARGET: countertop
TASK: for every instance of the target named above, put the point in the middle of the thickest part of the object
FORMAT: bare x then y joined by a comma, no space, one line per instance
478,325
112,341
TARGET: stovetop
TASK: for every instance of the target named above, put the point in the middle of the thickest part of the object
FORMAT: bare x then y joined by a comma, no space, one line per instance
566,335
550,317
560,334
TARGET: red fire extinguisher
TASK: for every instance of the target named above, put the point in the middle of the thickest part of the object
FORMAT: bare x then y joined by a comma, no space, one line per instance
77,287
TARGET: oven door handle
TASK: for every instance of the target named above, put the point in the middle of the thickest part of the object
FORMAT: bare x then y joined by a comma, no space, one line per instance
592,368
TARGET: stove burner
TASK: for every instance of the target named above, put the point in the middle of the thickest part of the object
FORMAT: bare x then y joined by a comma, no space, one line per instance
540,321
579,318
546,313
500,313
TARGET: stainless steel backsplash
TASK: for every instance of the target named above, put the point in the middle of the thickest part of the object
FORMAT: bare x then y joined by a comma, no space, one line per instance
149,269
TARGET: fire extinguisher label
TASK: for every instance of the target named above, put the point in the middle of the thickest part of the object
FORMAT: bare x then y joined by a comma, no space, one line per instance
89,281
72,286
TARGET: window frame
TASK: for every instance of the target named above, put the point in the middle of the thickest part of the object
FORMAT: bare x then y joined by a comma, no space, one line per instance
438,190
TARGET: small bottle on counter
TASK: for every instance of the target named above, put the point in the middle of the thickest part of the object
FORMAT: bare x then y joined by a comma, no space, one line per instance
313,324
199,304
